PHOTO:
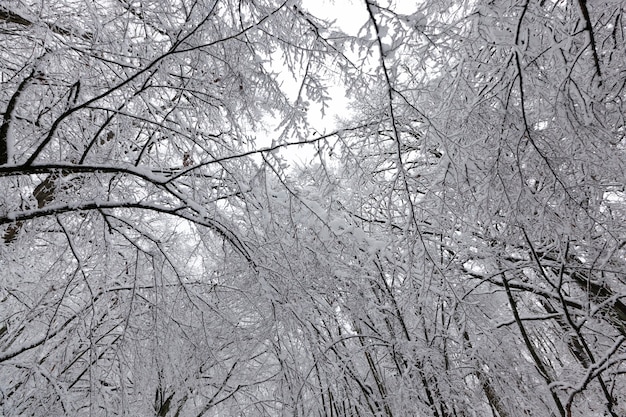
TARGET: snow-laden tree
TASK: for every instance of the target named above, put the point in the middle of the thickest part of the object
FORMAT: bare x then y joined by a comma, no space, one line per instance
495,152
455,249
125,154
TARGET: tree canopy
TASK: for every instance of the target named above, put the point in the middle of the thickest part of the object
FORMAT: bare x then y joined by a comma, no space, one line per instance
454,245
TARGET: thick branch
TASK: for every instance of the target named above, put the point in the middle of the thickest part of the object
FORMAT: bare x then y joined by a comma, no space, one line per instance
541,367
9,16
592,40
8,115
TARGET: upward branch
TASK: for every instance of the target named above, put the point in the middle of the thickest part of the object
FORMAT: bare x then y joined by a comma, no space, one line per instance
592,39
8,116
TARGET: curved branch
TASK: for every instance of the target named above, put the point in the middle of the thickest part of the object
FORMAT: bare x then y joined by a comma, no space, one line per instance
201,219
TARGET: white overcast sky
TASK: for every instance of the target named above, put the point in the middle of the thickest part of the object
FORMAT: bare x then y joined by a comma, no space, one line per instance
349,16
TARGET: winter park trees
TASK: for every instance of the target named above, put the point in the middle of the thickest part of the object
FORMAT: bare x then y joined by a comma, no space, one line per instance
455,248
